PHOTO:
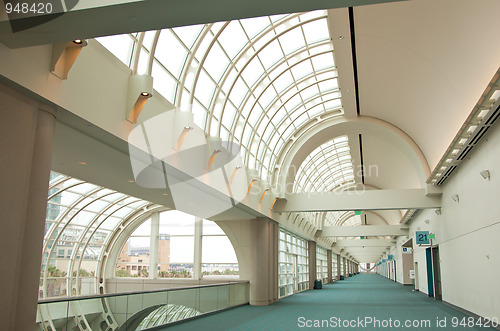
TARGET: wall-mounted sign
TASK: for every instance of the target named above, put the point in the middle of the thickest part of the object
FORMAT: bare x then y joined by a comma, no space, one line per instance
407,250
390,257
412,274
384,260
422,238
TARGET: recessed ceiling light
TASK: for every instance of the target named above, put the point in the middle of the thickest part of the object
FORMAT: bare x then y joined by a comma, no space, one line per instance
145,94
78,41
131,181
341,37
165,193
82,162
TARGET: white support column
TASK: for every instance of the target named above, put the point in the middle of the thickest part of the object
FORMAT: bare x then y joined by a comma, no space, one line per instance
339,266
198,237
329,264
26,136
312,263
153,246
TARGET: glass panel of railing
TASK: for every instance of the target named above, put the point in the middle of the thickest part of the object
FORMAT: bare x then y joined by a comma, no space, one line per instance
222,297
209,299
52,316
138,310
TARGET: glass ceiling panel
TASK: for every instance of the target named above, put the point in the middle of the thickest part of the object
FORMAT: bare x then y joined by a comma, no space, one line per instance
82,217
230,73
327,167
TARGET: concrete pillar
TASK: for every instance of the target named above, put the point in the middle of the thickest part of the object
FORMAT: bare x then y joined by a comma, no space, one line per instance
26,137
312,263
153,246
198,238
255,243
344,268
264,276
339,266
329,264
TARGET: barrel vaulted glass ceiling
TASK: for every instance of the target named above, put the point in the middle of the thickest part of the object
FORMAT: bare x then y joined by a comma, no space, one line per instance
255,81
327,168
81,219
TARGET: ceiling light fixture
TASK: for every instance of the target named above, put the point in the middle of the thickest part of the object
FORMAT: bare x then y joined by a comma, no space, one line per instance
485,174
234,174
438,211
140,89
480,120
182,137
455,198
212,158
78,41
251,184
263,195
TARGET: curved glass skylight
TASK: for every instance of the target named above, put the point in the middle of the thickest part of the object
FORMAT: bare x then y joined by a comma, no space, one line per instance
254,81
167,314
328,168
80,220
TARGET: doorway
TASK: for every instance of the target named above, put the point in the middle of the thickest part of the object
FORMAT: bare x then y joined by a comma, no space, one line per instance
416,277
437,273
430,281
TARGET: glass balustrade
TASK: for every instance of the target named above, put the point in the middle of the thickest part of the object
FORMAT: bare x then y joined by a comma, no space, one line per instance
138,310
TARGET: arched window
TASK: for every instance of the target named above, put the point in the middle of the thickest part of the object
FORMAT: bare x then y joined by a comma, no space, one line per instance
171,243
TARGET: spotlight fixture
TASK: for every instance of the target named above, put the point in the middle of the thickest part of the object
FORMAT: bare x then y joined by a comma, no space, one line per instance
234,174
274,201
455,198
212,158
64,56
250,185
182,137
438,211
140,89
263,195
485,174
427,221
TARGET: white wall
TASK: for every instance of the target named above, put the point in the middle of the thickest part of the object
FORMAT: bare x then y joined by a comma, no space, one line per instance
467,233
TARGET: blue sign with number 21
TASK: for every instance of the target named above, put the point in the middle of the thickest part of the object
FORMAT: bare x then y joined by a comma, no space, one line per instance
423,238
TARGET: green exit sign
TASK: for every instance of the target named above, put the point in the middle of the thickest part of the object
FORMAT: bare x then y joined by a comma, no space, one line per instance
431,236
357,212
362,237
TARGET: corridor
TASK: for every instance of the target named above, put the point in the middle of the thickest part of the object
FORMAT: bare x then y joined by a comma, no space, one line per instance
376,301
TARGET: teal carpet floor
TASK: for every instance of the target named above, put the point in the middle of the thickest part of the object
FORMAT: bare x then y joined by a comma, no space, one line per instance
351,300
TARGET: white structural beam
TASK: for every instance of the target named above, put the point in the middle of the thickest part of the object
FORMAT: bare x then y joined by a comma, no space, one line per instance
358,200
363,230
132,16
364,243
366,250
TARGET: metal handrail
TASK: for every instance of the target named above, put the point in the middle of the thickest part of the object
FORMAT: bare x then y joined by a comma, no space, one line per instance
99,296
